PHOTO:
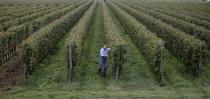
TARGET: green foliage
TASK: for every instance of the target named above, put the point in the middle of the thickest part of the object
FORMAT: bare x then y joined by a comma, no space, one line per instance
118,58
196,10
16,20
78,33
189,49
114,39
5,42
86,72
18,10
187,18
151,46
25,16
197,31
14,36
42,41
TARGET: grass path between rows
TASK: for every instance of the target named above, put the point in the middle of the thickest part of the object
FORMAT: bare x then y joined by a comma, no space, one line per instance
86,72
52,70
136,71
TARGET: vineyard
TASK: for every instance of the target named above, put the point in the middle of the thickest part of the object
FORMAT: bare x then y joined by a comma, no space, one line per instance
49,49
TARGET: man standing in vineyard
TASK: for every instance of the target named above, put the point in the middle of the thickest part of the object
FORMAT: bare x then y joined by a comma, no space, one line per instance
103,59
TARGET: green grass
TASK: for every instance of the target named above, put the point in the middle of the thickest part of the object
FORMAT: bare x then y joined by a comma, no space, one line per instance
174,73
136,71
52,70
94,40
66,93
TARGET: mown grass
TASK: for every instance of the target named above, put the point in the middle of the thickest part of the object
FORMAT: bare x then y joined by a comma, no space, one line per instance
94,40
104,94
52,70
135,71
174,74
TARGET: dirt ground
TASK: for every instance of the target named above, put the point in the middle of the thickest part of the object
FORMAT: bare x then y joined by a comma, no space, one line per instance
11,73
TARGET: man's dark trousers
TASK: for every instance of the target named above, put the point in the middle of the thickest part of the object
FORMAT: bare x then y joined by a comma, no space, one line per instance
103,62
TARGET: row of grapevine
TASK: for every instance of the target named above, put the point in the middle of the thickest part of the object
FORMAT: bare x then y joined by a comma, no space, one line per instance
18,21
4,26
7,17
194,15
20,10
14,36
4,8
189,49
114,39
77,34
192,7
43,8
7,8
150,45
187,18
18,15
32,11
112,32
197,31
38,45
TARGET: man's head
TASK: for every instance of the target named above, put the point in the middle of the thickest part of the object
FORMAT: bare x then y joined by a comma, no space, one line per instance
104,47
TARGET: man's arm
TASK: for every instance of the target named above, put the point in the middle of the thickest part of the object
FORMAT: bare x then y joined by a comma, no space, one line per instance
109,49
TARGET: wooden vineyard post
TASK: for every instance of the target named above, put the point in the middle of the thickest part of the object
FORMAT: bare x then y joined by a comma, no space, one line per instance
161,65
6,56
116,61
118,55
200,66
69,62
1,59
117,72
198,69
25,72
